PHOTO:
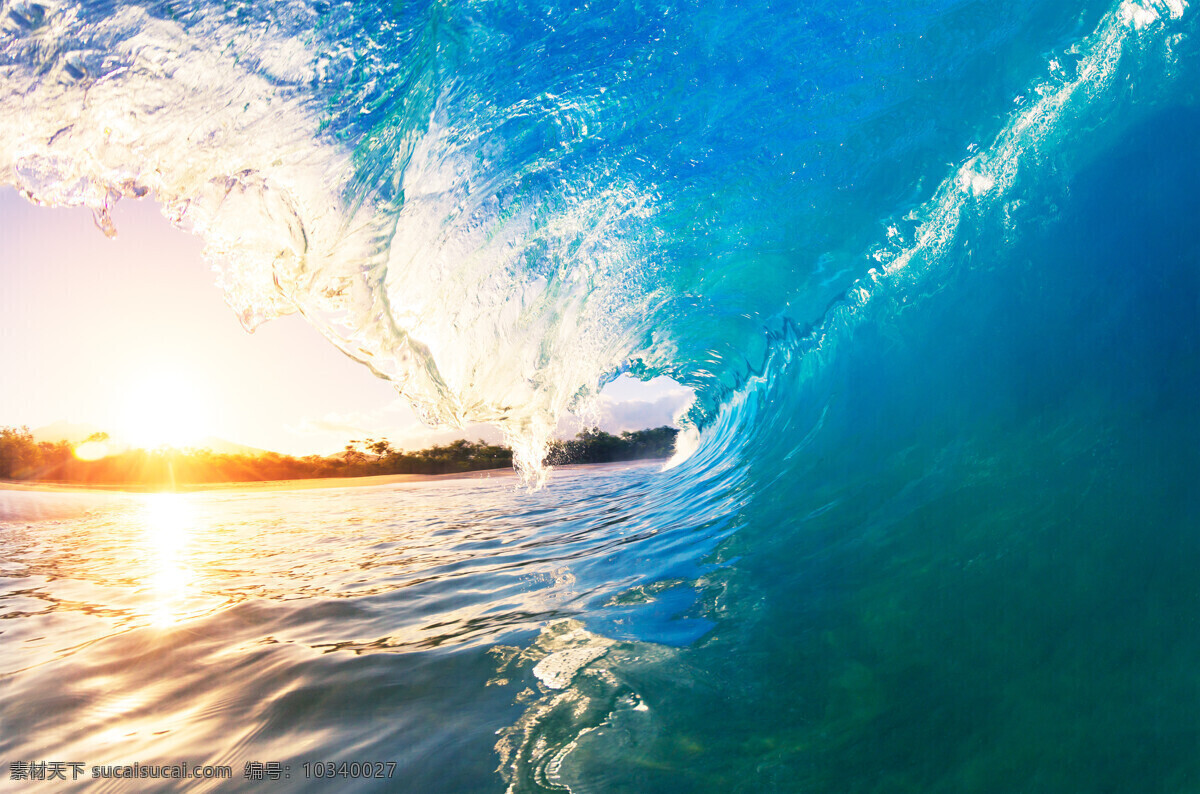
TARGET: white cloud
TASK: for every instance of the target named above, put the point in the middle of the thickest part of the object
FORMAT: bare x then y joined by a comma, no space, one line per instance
616,412
331,432
421,437
618,416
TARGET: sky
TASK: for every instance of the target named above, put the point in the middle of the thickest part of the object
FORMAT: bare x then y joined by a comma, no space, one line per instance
107,332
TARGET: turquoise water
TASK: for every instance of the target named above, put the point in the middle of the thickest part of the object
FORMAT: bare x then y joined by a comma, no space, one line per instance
931,270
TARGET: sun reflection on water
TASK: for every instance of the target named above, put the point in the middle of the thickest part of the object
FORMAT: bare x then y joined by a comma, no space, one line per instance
169,522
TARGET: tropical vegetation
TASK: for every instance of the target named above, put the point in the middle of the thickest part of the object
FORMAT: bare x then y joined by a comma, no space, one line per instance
24,459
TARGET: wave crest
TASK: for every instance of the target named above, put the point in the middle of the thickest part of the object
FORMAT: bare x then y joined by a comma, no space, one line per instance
484,292
499,237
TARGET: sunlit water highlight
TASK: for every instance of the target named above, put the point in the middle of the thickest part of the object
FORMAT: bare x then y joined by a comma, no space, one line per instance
341,624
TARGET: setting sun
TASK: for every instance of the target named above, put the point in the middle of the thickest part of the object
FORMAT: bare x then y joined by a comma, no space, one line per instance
92,450
165,409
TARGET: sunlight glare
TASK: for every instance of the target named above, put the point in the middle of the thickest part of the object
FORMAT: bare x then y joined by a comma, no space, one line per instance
92,450
169,520
165,409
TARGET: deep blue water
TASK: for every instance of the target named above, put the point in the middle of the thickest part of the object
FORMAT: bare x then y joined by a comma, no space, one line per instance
931,268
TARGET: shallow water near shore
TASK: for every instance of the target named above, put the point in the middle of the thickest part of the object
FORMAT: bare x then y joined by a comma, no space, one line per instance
355,624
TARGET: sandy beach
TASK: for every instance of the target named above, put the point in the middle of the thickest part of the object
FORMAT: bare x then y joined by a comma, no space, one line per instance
264,485
303,484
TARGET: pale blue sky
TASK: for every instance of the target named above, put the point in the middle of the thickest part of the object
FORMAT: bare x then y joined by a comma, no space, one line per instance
86,323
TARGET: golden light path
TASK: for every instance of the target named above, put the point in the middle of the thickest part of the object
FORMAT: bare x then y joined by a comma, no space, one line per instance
169,522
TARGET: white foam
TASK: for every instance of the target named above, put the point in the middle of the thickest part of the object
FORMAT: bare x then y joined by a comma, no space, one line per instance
222,122
558,669
473,296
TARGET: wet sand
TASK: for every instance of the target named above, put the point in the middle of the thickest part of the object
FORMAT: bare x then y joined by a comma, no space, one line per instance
300,485
261,485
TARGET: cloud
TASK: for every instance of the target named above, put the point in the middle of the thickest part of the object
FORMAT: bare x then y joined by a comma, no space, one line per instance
347,425
421,437
618,416
332,431
397,423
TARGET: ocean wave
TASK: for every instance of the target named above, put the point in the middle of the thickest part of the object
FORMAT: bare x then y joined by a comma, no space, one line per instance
500,214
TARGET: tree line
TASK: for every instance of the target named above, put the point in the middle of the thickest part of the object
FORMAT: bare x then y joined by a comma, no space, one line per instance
23,458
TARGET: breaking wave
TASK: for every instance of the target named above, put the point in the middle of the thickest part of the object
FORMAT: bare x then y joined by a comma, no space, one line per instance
501,207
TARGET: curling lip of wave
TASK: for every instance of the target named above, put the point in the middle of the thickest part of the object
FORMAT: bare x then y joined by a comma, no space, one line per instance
429,290
536,751
486,284
974,188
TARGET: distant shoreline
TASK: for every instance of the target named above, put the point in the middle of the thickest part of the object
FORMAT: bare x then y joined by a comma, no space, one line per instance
91,465
254,485
300,484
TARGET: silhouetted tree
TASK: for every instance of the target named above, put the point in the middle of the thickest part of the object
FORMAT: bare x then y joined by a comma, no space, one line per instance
21,458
